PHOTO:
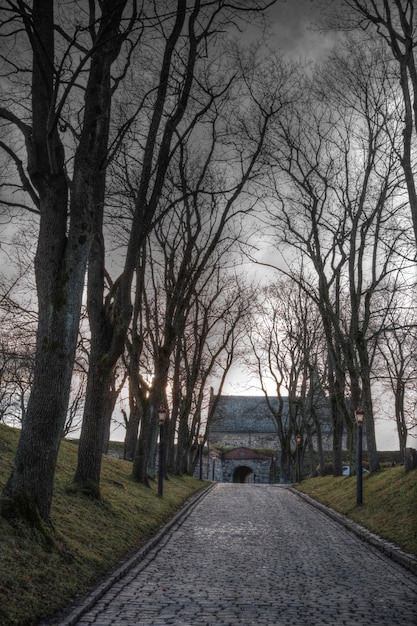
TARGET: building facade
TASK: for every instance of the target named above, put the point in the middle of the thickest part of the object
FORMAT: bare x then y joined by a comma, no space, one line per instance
245,428
244,421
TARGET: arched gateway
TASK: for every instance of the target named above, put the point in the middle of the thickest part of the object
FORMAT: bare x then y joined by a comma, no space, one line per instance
241,425
244,424
243,474
243,465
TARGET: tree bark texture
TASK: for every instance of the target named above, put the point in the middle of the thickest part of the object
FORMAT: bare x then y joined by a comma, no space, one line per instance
63,247
60,268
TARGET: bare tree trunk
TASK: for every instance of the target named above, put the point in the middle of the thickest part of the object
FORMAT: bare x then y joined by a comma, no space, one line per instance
101,322
141,456
337,428
118,312
400,416
132,426
310,448
369,422
149,426
113,395
183,446
60,269
93,431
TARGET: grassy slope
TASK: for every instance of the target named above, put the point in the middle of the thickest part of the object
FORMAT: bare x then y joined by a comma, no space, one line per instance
389,506
92,537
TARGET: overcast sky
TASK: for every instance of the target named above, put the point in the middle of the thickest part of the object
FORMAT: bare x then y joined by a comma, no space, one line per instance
295,23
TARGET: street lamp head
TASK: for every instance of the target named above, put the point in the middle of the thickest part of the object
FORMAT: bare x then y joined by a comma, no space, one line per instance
359,414
162,413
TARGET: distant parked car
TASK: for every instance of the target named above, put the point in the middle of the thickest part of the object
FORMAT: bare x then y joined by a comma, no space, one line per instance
346,470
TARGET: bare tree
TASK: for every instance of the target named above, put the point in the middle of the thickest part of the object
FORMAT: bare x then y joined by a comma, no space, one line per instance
17,335
207,111
215,327
394,21
397,350
284,353
344,217
66,66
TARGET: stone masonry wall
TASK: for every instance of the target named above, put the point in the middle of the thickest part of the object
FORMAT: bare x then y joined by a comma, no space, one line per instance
245,439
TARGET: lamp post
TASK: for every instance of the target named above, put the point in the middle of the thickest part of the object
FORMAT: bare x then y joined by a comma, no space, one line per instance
162,412
213,463
200,453
359,413
299,440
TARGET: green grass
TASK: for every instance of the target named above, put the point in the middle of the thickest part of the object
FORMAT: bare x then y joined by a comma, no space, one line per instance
389,507
92,537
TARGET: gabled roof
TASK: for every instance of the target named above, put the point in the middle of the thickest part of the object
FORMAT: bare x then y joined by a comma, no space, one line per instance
249,414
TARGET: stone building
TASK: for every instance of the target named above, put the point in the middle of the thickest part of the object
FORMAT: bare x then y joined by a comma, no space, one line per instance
244,421
246,425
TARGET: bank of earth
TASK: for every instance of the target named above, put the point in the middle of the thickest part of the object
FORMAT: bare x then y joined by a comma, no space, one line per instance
93,538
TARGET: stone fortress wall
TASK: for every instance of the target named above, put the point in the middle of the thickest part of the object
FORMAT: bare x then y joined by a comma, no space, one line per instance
246,423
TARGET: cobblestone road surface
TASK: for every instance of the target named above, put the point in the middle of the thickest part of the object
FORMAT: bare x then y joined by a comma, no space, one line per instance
258,554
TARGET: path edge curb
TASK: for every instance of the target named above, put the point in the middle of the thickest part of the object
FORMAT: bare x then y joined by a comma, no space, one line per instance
390,549
125,568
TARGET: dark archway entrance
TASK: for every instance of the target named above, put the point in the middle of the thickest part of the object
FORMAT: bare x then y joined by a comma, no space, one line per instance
244,465
243,474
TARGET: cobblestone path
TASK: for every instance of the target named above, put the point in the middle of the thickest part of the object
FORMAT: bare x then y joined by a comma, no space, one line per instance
258,554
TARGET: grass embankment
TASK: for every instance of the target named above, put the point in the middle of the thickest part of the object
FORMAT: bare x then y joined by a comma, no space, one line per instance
389,507
92,537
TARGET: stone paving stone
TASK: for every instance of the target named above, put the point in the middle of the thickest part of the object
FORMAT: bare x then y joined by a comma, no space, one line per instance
258,554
